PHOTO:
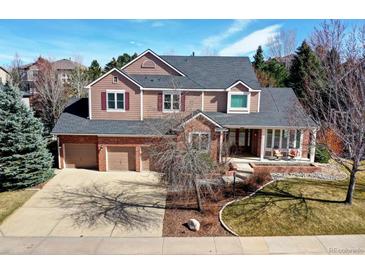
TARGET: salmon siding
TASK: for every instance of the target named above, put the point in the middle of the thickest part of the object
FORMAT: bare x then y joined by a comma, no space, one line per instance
220,95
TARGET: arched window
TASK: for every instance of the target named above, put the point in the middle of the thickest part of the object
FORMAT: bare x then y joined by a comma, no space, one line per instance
148,64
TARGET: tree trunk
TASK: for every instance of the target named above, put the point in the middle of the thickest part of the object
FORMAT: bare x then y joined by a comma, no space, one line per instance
351,188
198,198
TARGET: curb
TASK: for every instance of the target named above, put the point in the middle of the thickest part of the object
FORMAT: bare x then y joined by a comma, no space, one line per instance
226,227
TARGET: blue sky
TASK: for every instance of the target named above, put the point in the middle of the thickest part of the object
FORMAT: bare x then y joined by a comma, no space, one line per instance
103,39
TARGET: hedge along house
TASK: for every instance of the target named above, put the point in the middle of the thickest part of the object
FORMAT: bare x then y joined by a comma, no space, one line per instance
220,98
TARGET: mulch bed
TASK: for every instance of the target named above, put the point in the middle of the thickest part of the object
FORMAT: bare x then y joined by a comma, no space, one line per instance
181,208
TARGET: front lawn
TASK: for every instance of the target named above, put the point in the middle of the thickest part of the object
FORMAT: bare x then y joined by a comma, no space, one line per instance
11,200
299,207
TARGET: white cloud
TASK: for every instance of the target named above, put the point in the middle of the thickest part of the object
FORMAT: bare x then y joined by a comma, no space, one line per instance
237,26
250,42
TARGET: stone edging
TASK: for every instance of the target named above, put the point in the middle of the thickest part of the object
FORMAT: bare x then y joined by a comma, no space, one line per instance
236,200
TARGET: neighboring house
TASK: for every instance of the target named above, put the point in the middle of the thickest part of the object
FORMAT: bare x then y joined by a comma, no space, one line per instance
4,75
220,97
29,72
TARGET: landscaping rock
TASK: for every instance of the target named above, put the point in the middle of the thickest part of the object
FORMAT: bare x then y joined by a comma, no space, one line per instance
193,225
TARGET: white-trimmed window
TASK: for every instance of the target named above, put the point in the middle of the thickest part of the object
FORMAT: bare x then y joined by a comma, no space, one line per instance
171,101
115,79
238,101
115,100
200,140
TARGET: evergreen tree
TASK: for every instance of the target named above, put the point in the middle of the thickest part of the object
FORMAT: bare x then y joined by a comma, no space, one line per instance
305,64
94,71
276,71
24,158
259,60
125,59
112,64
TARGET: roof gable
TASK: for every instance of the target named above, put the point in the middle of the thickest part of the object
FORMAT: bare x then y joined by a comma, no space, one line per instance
147,52
110,71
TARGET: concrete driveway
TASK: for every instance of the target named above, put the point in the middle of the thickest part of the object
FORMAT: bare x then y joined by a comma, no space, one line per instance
82,203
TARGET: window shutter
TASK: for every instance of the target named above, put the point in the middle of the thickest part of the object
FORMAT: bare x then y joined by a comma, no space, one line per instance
103,100
182,107
159,102
126,100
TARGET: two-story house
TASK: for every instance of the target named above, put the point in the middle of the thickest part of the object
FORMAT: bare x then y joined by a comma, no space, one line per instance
220,97
29,72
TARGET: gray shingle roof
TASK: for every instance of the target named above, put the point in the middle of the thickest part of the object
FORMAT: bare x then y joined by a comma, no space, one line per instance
279,107
165,81
74,120
215,72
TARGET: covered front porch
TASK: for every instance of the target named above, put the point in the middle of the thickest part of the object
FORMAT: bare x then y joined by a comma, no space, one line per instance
247,145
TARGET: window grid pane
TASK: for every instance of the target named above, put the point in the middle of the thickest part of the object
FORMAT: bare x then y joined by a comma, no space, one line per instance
176,102
120,101
268,138
204,141
167,102
111,100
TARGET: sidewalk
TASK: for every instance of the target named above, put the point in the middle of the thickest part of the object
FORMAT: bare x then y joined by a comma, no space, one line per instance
344,244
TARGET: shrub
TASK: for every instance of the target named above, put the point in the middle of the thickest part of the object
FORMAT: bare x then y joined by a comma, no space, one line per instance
322,154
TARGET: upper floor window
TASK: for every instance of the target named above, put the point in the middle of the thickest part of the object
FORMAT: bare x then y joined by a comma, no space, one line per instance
115,101
115,79
171,101
200,140
238,101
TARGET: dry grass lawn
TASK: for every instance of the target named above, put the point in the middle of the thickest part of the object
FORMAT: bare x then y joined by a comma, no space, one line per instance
11,200
299,207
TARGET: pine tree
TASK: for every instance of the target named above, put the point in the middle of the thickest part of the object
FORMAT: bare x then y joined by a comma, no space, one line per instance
259,60
276,71
94,71
24,158
112,64
305,64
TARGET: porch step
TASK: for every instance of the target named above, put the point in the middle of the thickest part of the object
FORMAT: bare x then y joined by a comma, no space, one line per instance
244,168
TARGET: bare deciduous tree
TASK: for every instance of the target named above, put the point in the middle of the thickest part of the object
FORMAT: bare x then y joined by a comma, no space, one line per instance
78,79
15,76
183,159
338,103
51,97
283,45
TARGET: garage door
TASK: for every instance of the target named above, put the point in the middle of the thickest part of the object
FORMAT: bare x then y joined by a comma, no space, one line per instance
80,155
121,158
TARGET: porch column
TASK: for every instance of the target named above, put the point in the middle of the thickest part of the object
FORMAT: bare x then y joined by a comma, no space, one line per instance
262,144
313,145
220,146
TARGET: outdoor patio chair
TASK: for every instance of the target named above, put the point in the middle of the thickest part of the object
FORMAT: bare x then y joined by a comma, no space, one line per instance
278,154
293,153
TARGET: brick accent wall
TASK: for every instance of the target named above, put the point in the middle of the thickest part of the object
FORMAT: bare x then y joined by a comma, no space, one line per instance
305,144
257,168
202,125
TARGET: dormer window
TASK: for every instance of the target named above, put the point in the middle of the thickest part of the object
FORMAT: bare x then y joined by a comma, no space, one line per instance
115,79
148,64
238,101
